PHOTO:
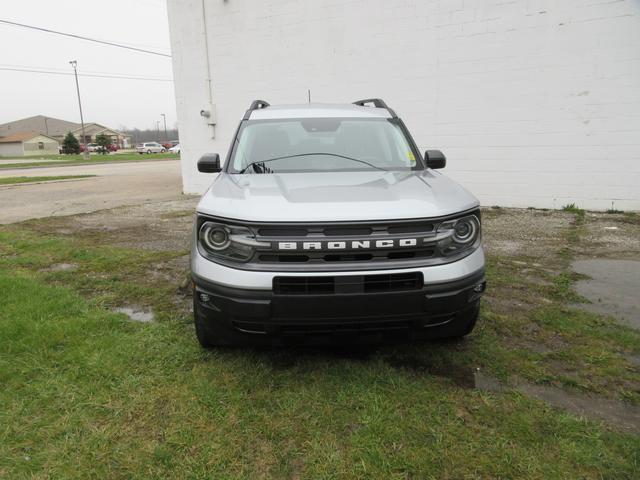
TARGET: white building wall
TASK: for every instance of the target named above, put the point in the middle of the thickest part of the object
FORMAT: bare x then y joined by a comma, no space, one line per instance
534,102
13,149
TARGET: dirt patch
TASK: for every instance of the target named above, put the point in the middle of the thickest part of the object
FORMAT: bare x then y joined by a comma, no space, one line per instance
610,236
533,234
150,226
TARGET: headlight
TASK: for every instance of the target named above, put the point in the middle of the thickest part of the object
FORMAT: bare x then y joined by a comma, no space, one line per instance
215,237
229,242
463,233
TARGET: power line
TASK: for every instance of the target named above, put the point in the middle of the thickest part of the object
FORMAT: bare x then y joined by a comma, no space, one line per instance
66,70
51,72
113,44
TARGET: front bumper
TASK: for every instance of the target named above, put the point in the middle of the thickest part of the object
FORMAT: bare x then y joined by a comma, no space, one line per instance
235,316
222,275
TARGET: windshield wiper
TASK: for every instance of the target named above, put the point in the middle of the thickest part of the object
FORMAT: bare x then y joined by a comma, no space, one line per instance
266,170
258,167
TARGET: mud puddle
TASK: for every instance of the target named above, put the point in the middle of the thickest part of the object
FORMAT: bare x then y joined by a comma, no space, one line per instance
460,375
612,288
612,412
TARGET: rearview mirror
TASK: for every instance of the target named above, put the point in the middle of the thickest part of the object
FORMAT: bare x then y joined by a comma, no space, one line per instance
435,159
209,163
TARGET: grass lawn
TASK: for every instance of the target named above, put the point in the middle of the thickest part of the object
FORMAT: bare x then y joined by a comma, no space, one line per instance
80,160
88,393
14,180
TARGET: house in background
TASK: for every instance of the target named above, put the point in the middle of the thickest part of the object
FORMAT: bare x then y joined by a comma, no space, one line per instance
57,129
51,127
92,130
27,143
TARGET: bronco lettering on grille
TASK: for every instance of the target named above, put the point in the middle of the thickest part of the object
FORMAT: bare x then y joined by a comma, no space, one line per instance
348,245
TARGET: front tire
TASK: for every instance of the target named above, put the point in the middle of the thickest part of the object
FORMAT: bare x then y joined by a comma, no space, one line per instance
162,151
148,152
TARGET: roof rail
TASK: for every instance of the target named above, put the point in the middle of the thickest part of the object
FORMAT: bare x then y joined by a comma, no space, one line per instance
255,105
377,102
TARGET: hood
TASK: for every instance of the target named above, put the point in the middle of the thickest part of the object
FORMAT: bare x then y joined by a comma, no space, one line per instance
334,196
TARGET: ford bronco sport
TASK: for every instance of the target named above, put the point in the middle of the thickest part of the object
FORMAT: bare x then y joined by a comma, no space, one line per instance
326,224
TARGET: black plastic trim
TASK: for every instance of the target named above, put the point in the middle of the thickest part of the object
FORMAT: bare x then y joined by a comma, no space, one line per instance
452,286
378,103
255,105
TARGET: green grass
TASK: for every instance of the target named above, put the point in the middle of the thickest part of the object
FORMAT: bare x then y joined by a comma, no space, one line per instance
573,208
14,180
89,394
80,160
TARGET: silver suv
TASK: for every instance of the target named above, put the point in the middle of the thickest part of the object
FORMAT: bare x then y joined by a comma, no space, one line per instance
326,224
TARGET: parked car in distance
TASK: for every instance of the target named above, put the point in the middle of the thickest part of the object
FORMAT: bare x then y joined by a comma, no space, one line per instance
175,148
325,224
91,147
167,145
150,147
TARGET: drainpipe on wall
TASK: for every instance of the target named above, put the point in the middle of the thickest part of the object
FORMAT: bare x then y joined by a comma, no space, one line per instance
209,112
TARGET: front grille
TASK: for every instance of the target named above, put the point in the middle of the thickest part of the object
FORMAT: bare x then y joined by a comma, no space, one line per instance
408,226
327,285
324,257
337,233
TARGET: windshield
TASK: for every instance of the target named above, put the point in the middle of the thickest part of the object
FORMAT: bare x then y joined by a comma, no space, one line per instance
322,145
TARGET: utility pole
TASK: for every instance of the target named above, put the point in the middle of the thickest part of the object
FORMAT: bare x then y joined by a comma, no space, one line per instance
164,118
74,64
158,131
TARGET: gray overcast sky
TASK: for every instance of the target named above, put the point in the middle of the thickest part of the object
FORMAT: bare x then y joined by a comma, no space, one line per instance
112,102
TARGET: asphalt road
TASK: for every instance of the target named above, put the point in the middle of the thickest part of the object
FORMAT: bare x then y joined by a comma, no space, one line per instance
116,185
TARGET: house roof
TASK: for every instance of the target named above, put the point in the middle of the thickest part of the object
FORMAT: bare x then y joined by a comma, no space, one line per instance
23,137
38,123
95,128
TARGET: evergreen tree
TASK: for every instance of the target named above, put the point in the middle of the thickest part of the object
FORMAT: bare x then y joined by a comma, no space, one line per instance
70,144
104,141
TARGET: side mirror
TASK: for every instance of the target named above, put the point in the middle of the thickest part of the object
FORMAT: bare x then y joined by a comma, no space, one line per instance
209,163
435,159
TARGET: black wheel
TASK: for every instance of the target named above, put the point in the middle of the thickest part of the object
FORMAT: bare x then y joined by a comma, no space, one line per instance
162,151
148,151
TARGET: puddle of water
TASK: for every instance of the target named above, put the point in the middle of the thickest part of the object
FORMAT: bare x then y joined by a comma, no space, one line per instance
612,289
136,314
61,267
461,375
633,360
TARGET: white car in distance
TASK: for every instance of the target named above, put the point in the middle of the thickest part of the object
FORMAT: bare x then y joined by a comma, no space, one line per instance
150,147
